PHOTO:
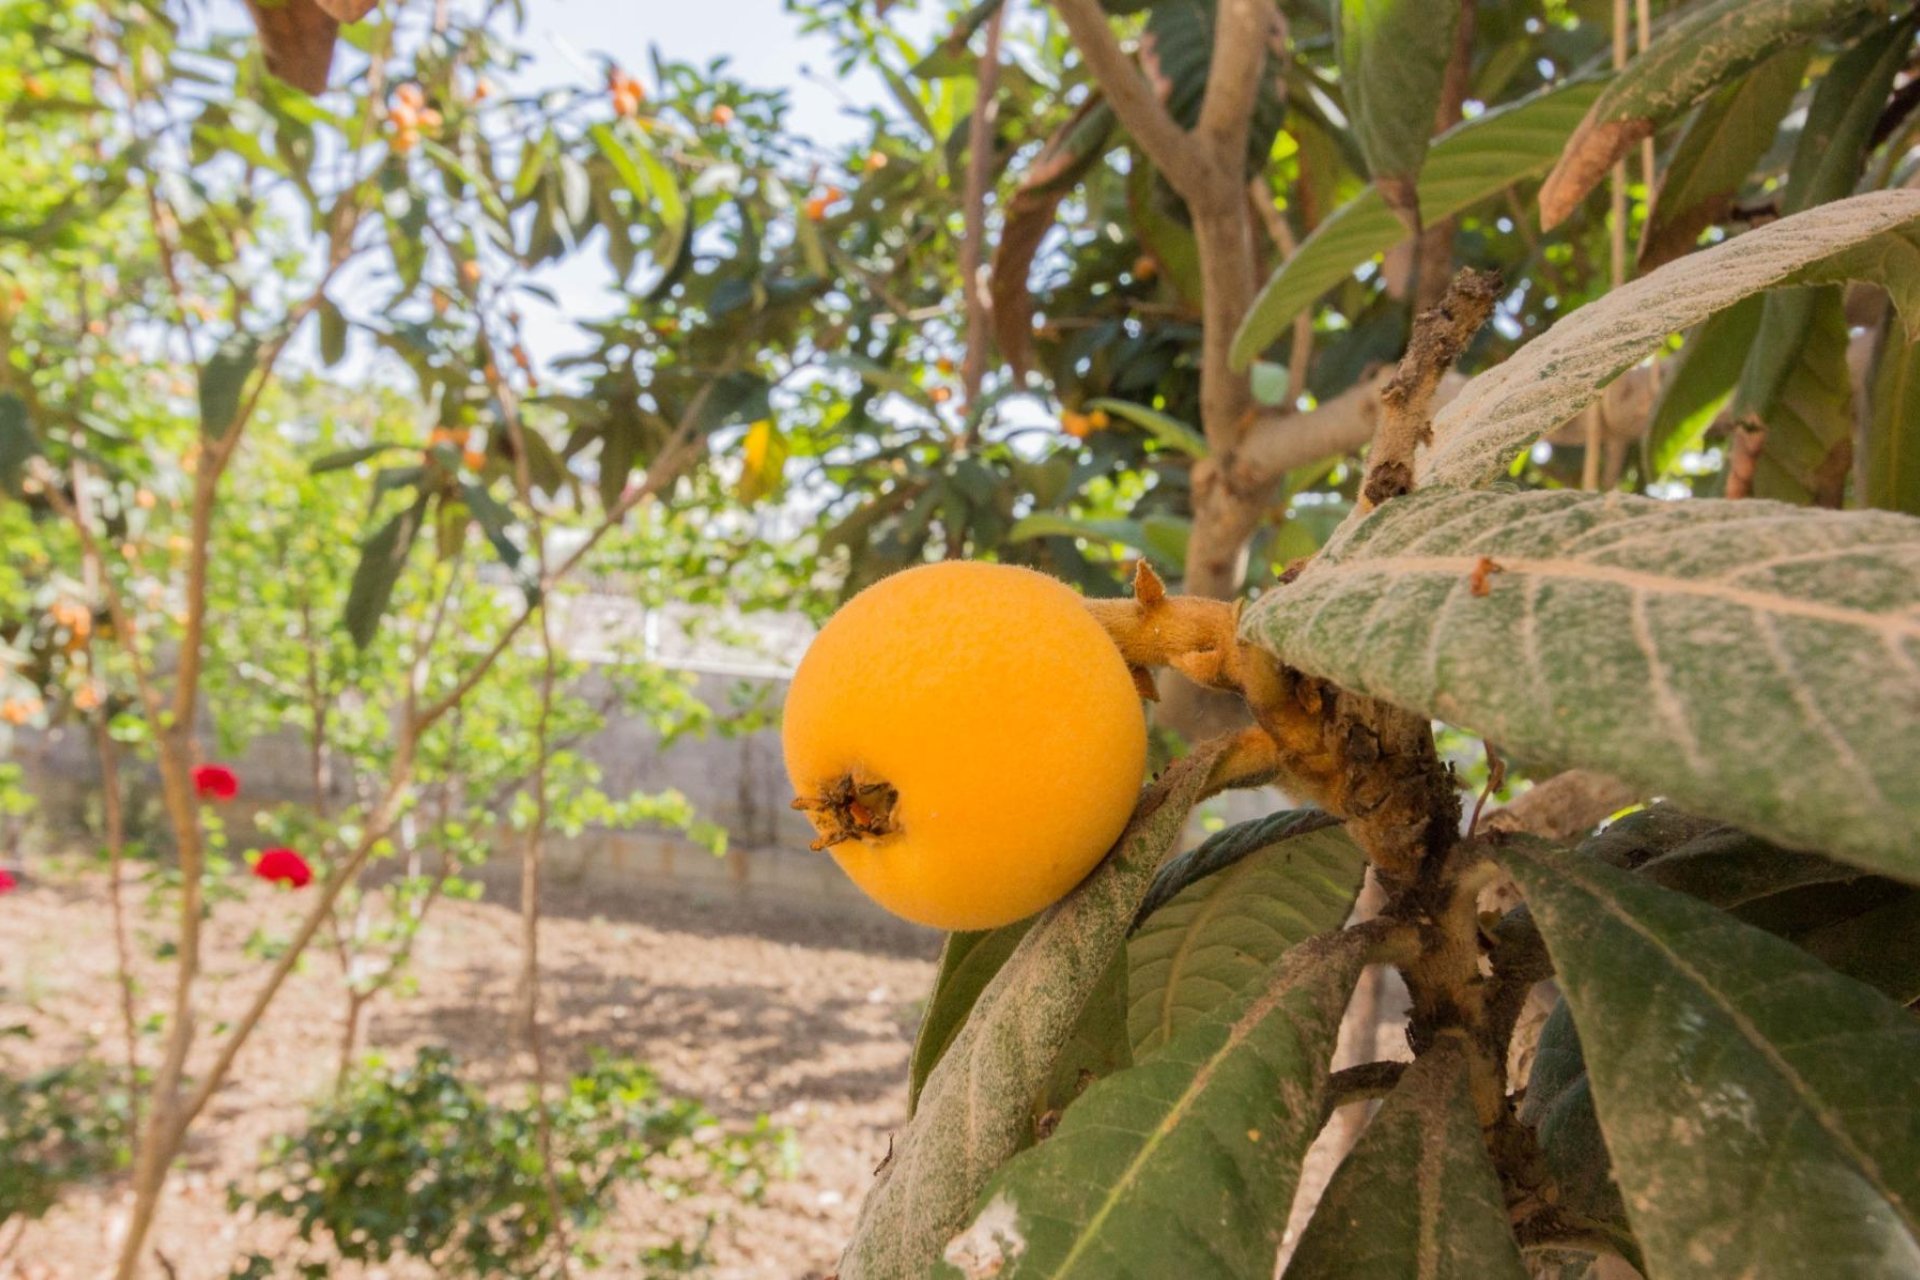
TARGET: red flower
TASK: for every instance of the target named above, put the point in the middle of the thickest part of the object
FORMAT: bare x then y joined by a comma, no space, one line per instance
283,866
7,883
216,782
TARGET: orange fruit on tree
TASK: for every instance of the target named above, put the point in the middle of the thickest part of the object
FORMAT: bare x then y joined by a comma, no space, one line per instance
967,742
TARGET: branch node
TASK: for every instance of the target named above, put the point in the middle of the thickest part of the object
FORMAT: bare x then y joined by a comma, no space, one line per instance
1148,589
1440,336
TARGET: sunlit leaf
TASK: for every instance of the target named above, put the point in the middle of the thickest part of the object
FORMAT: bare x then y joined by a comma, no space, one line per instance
1743,658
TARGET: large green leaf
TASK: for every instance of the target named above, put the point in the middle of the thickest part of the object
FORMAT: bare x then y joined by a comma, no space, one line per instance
1796,380
1729,869
1223,931
1417,1196
1859,924
975,1109
383,557
1808,413
1224,848
223,378
1393,58
1878,947
968,961
1098,1047
1756,663
1184,1165
1501,412
1762,1111
1469,163
18,442
1696,384
1893,434
1721,143
1841,119
1559,1108
1707,46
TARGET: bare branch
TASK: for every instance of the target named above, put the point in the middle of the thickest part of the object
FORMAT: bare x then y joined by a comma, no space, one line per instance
1363,1083
1276,443
1134,100
980,149
1440,336
1240,32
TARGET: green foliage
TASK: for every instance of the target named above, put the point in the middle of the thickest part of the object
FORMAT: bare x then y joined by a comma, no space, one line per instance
1697,383
1468,164
1776,1135
1723,140
785,323
1707,46
419,1162
1263,888
1509,407
1593,642
1188,1161
1393,61
1418,1195
58,1126
1893,446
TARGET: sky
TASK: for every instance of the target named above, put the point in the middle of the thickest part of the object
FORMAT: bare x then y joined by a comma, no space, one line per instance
766,49
761,38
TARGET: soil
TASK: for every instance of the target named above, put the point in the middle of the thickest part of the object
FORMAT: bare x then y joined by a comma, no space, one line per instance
804,1015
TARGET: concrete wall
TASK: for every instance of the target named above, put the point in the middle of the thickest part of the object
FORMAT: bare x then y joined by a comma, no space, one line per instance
738,782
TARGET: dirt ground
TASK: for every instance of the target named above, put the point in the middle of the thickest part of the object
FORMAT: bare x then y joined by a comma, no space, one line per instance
805,1015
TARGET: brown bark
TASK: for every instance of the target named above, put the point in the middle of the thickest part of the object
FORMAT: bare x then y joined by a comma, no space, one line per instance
980,151
1439,337
1434,253
1206,167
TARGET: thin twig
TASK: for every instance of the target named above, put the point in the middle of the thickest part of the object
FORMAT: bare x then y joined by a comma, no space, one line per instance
1278,230
534,847
530,948
1440,337
110,803
1616,249
1363,1083
672,460
1134,100
980,157
1240,36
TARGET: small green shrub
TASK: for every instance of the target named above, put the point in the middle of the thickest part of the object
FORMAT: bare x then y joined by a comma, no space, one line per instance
57,1127
419,1162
